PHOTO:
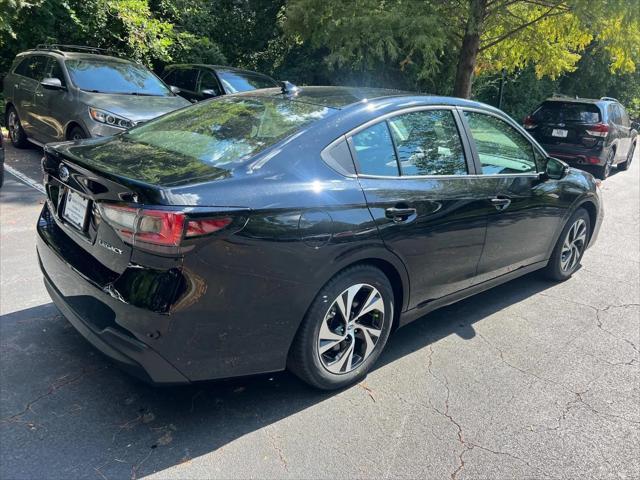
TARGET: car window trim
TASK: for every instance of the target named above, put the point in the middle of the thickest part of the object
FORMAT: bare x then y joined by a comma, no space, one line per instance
471,168
509,121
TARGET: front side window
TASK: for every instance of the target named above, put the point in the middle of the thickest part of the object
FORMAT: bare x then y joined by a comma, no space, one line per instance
55,71
234,81
114,76
208,81
501,148
374,151
428,143
185,78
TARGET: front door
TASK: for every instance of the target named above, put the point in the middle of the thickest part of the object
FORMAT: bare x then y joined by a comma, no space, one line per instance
527,209
415,170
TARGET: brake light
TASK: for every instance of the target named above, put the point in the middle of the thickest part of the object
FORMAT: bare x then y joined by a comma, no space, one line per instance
598,130
528,123
144,227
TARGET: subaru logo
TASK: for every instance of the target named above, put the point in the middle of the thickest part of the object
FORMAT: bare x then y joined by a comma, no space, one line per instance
63,172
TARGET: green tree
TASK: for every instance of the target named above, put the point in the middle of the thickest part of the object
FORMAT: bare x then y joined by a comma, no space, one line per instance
482,35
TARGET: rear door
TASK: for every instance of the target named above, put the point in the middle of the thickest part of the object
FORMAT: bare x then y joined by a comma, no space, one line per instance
29,74
415,170
623,125
527,210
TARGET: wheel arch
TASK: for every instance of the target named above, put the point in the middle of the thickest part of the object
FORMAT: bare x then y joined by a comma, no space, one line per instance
72,124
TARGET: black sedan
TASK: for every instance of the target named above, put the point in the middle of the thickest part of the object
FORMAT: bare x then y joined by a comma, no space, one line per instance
263,231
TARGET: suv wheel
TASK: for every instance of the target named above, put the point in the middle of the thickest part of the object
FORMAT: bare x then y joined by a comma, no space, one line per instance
16,132
77,133
604,171
345,329
570,247
625,165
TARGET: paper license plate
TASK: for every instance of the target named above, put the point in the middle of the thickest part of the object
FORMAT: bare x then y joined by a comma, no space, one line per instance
75,209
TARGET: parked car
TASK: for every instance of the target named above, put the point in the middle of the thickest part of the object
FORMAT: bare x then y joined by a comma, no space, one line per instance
199,82
263,230
1,158
584,132
65,92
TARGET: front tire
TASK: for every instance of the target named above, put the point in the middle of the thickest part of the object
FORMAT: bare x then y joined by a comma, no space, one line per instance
345,329
77,133
17,134
570,247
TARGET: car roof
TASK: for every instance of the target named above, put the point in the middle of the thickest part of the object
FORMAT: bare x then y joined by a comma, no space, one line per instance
592,101
73,55
342,97
212,67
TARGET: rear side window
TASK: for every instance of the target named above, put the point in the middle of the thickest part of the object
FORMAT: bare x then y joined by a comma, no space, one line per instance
567,112
428,143
374,151
501,148
33,67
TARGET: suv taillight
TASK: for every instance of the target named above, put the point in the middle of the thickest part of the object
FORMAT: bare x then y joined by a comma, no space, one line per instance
598,130
528,123
148,227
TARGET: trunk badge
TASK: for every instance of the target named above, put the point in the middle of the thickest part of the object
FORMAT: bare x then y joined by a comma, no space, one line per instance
109,247
63,172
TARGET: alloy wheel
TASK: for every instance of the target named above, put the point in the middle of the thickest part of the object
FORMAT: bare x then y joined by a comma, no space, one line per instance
13,125
608,164
351,328
573,245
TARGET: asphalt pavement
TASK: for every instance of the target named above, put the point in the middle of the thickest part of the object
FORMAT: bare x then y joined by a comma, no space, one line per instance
529,380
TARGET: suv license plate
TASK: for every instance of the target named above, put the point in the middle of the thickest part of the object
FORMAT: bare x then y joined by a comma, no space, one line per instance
558,132
75,209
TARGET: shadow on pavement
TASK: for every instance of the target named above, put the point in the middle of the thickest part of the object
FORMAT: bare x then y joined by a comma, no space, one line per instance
68,413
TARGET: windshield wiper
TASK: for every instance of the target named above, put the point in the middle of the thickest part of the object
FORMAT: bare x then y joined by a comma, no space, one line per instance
142,94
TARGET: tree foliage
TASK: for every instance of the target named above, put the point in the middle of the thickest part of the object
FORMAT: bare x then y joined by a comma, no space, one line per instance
589,48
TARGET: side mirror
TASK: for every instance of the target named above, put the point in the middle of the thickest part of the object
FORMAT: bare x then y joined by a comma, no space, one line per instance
555,169
52,84
174,89
208,92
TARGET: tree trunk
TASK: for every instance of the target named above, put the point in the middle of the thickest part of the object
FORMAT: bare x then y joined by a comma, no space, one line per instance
470,48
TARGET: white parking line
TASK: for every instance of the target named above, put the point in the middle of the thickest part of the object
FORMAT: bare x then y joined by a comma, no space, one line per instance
21,176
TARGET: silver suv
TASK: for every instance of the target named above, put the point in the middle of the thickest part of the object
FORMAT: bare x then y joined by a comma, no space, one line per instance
63,92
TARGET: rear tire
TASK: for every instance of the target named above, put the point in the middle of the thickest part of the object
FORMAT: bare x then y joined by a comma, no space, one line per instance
570,247
17,134
625,165
604,171
330,352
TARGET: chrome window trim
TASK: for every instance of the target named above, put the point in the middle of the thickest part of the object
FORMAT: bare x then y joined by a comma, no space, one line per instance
450,177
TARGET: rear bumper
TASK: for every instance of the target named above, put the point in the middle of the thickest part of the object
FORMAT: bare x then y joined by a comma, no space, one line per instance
577,155
93,313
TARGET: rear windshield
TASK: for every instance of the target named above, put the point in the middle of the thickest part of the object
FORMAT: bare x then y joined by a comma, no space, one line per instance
113,76
244,81
567,112
225,131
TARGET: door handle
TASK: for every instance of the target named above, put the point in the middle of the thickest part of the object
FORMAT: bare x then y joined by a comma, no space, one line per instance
501,203
399,214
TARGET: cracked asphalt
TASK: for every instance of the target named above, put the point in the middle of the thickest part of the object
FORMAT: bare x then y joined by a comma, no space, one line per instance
529,380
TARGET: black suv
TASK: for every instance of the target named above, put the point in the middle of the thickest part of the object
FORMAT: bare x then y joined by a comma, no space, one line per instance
199,82
585,132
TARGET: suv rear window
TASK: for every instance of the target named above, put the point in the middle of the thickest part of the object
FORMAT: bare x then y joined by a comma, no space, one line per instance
567,112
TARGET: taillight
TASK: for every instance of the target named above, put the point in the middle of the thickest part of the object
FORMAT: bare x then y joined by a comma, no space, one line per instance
598,130
146,228
528,123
